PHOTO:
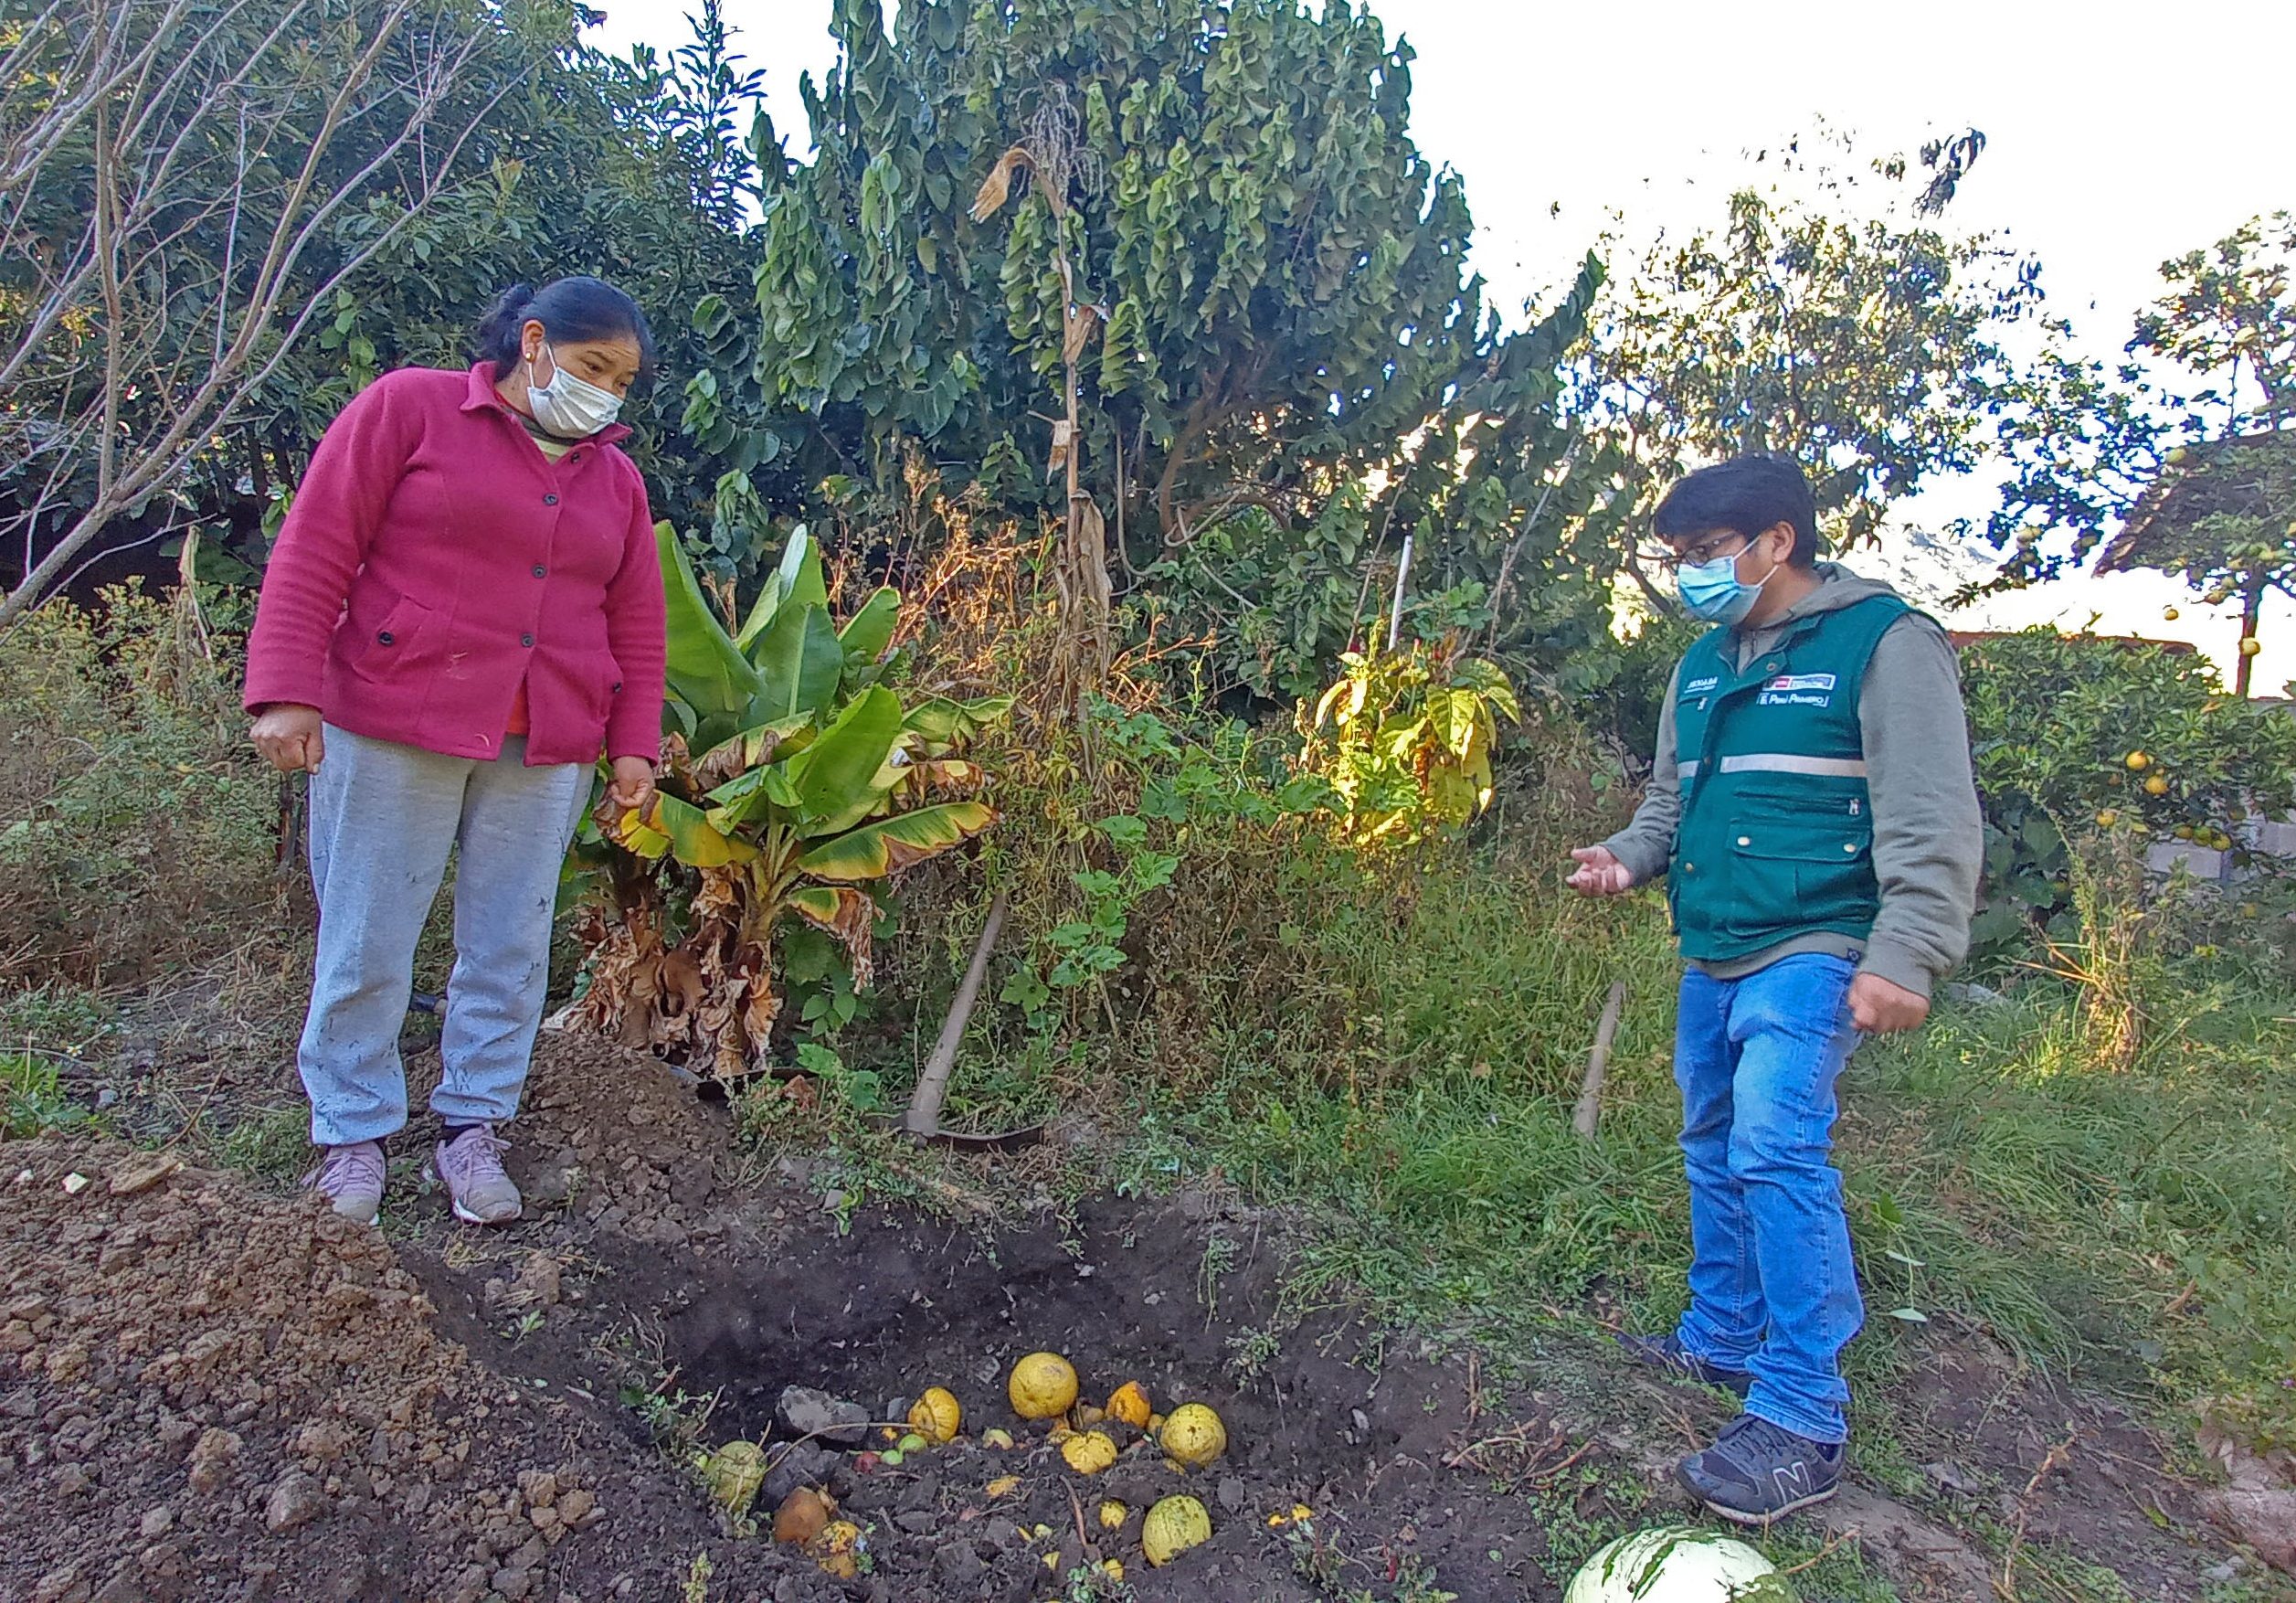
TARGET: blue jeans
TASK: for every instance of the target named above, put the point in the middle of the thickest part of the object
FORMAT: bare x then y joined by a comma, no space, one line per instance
383,817
1774,1291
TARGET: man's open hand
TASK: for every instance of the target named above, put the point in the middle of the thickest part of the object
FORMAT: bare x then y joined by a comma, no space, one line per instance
1880,1007
1599,873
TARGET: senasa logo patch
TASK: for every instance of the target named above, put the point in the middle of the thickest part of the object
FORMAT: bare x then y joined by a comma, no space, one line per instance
1699,686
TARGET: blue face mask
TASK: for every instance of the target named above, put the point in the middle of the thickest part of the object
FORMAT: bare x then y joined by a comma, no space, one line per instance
1712,590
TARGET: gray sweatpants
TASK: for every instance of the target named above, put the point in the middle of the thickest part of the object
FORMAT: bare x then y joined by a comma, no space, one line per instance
382,819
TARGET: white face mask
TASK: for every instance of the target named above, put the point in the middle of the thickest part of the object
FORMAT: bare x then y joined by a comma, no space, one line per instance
569,406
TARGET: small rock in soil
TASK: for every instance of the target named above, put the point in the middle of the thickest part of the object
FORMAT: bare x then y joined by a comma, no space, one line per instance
803,1464
297,1499
142,1173
1232,1495
805,1411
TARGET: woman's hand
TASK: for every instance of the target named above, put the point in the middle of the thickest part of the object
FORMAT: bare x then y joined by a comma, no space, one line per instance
288,737
633,788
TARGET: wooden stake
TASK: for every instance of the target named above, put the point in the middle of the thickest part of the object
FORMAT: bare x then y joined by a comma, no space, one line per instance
1590,1107
925,1108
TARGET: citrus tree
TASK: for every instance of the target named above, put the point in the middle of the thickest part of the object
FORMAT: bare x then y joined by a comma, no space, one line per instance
792,776
2077,735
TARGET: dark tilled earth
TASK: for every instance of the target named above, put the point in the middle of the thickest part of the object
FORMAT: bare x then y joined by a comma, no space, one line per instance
210,1390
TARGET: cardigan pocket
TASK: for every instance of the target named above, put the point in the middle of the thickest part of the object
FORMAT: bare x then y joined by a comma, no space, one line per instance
390,635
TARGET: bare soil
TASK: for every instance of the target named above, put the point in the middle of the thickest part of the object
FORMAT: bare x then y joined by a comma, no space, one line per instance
212,1390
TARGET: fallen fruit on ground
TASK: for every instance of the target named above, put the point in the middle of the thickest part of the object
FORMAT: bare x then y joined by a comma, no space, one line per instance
1172,1527
913,1443
1089,1452
839,1548
1194,1435
936,1415
1130,1403
1112,1514
2107,819
732,1473
996,1439
804,1514
1043,1384
1673,1564
892,1458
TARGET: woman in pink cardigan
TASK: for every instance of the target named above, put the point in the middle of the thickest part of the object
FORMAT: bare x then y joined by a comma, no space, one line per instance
463,613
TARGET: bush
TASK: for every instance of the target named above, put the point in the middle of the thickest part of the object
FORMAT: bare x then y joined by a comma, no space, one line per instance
2081,735
137,826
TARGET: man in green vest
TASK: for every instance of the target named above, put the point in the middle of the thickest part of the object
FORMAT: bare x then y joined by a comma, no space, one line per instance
1811,808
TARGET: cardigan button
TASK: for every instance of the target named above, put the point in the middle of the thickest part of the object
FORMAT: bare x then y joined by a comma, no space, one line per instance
526,639
540,570
550,501
386,638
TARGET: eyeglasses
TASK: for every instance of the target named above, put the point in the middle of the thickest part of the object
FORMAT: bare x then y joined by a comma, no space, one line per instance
1668,560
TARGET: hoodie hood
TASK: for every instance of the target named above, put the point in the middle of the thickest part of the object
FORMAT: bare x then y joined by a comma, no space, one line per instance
1838,587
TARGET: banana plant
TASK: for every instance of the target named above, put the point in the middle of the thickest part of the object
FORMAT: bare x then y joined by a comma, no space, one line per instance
791,777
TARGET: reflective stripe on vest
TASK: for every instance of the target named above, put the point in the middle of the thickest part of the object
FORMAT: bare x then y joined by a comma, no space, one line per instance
1782,762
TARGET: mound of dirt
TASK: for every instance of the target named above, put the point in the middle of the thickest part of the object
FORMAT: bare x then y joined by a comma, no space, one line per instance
205,1392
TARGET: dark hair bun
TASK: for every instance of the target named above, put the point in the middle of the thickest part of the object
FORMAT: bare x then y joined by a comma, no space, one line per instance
576,308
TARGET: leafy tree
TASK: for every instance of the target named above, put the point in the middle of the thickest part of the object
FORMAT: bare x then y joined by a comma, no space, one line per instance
1875,350
1278,348
2215,509
181,182
224,370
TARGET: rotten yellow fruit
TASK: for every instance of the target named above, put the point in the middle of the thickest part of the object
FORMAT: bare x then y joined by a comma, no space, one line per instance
1087,1416
1112,1514
1113,1568
734,1473
1130,1403
1172,1527
936,1415
804,1515
838,1550
1194,1435
1043,1385
2107,819
1089,1452
2250,646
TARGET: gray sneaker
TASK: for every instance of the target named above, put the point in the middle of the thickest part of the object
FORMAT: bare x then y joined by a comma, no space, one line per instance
351,1179
471,1165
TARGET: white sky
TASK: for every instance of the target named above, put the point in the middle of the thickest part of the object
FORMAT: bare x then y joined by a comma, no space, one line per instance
2115,141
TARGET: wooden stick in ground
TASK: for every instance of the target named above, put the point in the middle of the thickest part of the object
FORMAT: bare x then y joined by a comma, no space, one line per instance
932,1086
1590,1107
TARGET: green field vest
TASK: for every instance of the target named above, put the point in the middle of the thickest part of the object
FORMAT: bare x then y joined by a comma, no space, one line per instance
1777,832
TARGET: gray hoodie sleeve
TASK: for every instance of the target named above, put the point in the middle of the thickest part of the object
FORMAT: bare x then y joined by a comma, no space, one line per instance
1646,845
1929,839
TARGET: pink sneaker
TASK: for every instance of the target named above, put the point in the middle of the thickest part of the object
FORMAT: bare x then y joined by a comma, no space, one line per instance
351,1179
471,1165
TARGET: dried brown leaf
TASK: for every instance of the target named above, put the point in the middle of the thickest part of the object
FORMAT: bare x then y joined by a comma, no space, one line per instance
997,187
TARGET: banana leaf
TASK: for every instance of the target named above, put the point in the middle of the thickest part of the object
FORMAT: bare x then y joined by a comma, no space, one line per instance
800,663
796,583
940,720
875,850
682,830
707,672
836,777
868,631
